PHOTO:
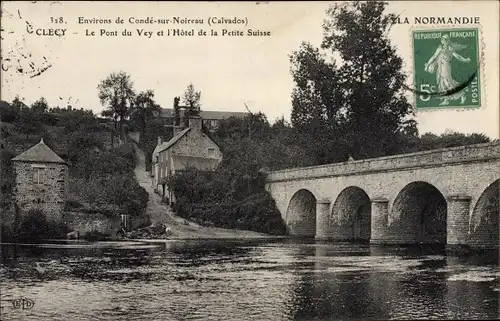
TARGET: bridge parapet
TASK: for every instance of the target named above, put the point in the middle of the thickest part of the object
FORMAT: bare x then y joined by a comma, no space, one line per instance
431,158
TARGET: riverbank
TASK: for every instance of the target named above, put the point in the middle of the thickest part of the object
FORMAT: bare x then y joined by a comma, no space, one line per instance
181,228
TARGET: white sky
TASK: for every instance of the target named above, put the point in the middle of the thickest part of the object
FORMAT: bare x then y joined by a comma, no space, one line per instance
229,71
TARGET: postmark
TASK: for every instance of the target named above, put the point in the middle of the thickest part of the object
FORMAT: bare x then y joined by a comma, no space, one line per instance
447,68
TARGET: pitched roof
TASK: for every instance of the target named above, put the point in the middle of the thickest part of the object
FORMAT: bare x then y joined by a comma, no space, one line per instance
39,153
206,114
156,150
174,140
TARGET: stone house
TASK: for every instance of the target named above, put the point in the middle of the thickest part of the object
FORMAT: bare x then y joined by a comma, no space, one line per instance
41,181
190,147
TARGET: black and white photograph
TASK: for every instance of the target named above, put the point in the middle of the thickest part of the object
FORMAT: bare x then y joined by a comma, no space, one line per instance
270,161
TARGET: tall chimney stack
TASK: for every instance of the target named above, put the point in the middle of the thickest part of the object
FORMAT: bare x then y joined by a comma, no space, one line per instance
195,123
177,116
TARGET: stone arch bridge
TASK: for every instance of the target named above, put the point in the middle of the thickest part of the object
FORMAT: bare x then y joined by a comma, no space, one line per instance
447,196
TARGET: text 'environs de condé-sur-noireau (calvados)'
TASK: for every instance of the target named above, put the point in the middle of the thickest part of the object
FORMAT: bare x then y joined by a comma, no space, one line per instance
230,26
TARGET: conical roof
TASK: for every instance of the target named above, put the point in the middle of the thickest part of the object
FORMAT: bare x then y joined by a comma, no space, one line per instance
39,153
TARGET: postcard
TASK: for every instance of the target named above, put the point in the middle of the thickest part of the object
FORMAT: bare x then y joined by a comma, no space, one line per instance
249,160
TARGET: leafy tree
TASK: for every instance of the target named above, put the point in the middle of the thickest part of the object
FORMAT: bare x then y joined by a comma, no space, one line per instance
77,120
18,104
27,123
7,112
149,140
191,99
116,93
227,200
430,141
40,106
144,108
80,143
7,177
356,103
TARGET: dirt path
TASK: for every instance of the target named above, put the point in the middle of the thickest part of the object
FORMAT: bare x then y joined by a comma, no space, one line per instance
181,228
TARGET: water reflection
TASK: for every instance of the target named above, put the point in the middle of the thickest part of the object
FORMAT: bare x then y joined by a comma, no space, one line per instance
249,281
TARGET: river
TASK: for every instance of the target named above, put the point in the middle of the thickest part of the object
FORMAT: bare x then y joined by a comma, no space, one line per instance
265,280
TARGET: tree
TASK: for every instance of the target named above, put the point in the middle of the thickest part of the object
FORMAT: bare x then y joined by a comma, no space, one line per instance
80,143
144,108
450,138
27,123
355,103
191,99
18,104
116,93
40,106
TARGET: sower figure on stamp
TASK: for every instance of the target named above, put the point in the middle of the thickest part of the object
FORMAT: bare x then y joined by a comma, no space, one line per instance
440,63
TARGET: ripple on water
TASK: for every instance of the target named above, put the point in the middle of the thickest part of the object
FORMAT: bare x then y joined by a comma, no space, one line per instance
367,264
476,276
269,282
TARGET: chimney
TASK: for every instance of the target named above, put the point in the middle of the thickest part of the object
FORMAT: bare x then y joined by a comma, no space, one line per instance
178,129
195,123
177,116
159,140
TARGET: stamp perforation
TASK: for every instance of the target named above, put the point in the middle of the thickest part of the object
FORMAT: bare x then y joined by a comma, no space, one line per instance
481,62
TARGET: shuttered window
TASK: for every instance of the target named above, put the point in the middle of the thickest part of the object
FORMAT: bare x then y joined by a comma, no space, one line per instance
39,175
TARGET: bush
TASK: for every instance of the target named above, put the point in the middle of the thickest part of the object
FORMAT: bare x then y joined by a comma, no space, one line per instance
7,235
34,228
121,192
226,200
126,152
95,236
8,113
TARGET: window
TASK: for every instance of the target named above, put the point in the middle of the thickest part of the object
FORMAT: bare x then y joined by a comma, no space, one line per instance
39,175
211,152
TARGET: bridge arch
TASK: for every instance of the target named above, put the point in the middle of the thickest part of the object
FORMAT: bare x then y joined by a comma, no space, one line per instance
352,211
301,214
484,227
419,214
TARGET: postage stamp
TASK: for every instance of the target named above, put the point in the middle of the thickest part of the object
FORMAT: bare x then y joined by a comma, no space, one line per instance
446,68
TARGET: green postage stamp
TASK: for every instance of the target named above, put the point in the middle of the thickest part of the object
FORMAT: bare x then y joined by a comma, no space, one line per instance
446,68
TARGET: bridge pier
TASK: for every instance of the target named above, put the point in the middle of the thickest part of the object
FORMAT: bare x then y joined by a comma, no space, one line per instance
322,219
457,225
380,214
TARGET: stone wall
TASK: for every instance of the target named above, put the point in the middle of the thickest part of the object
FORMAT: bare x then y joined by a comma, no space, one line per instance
196,143
48,194
490,151
91,222
97,222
